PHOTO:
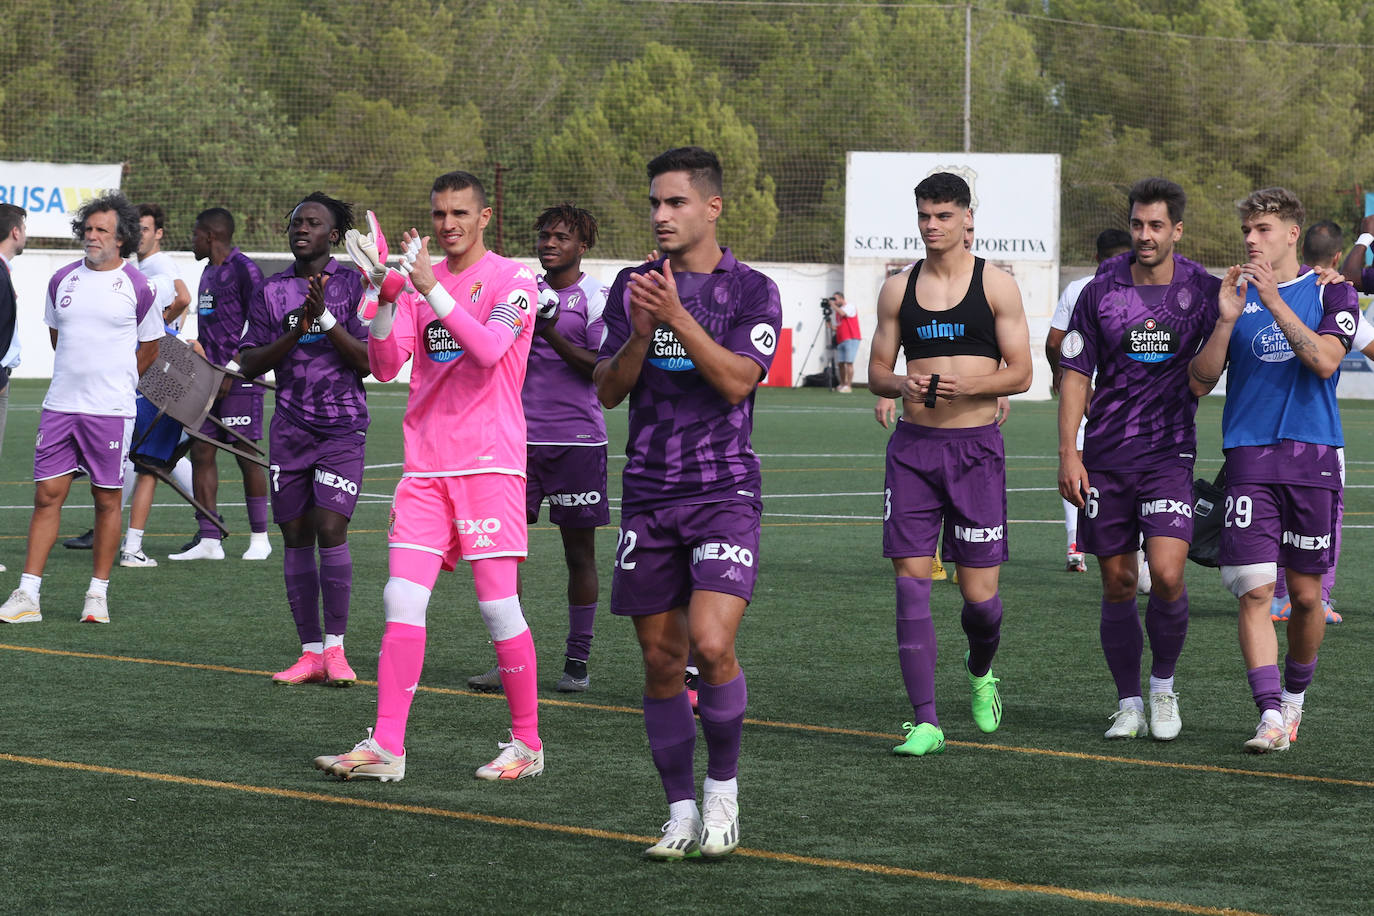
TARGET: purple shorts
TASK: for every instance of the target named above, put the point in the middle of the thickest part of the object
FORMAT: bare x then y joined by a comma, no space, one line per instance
313,471
1124,505
72,442
240,410
573,480
954,476
663,556
1283,523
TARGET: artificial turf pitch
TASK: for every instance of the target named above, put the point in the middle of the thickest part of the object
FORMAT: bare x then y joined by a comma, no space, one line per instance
150,766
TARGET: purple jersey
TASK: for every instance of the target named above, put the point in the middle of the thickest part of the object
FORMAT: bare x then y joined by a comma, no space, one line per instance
687,444
560,404
222,305
316,388
1139,341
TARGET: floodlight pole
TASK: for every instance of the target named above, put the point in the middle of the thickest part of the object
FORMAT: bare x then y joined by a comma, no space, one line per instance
968,77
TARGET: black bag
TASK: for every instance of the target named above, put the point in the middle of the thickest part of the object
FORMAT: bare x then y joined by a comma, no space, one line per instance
1209,516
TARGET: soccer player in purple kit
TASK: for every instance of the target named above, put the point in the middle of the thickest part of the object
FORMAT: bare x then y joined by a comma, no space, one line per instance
962,326
226,285
1280,337
565,431
688,338
104,325
303,323
1137,324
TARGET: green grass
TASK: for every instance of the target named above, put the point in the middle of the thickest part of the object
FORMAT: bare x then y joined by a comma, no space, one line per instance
240,821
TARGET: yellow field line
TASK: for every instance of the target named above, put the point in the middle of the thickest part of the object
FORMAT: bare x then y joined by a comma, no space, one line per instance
764,723
873,868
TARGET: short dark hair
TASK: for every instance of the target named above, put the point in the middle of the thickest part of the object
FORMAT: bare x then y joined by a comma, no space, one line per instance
127,229
1322,242
1279,201
1159,190
1112,241
701,165
156,212
578,220
340,211
945,188
11,218
459,180
218,220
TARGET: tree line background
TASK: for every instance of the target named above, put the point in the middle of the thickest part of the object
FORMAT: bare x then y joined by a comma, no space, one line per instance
253,104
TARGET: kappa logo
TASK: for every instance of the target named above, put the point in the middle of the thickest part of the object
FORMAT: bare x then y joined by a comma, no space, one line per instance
979,535
733,574
478,525
1171,506
719,550
591,498
1250,308
1307,541
483,541
524,273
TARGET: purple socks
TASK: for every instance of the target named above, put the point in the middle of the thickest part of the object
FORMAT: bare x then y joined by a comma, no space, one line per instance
303,592
580,617
1167,624
1123,643
982,622
672,731
721,707
336,585
1264,686
916,646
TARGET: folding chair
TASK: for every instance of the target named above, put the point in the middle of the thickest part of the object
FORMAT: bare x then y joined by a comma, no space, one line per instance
184,386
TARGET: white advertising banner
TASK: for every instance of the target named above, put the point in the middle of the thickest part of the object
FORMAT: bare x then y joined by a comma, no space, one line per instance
53,192
1015,226
1015,204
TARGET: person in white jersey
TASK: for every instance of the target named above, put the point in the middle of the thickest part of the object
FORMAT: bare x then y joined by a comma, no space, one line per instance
104,329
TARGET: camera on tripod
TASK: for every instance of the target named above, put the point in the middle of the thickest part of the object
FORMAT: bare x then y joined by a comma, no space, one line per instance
828,307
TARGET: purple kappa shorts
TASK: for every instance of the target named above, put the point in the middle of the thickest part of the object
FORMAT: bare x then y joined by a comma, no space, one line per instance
311,471
240,410
1123,505
664,555
952,476
1284,523
573,480
72,442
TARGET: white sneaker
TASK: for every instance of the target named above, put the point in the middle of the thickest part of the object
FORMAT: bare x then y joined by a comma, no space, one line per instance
204,549
259,548
1268,738
136,560
1292,718
681,840
367,760
1165,723
20,608
516,761
95,610
719,824
1142,581
1128,723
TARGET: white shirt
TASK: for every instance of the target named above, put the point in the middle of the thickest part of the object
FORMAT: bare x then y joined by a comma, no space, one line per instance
101,316
1063,309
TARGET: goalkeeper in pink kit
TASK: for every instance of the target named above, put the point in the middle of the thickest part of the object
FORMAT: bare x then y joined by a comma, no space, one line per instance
465,323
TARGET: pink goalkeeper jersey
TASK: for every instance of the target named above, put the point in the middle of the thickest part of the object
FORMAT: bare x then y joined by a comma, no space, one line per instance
463,417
